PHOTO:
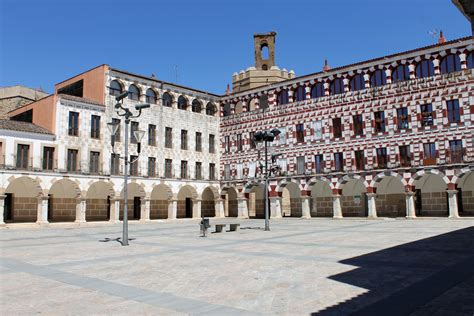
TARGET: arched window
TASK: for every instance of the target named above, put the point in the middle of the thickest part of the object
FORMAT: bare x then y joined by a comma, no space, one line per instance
317,90
263,102
251,104
182,103
401,73
264,53
133,92
210,109
337,86
424,69
378,78
282,97
115,88
167,99
239,107
357,82
300,94
469,61
450,63
227,109
196,106
150,96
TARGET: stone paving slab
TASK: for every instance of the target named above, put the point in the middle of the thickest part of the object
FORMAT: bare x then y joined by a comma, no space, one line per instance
300,267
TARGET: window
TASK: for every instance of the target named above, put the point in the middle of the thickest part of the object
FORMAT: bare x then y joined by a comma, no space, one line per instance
210,109
379,121
318,130
184,139
338,162
168,168
168,137
239,142
116,137
378,78
300,133
167,99
455,151
300,94
95,126
227,110
73,129
402,118
337,127
470,60
253,145
151,135
48,158
182,103
196,106
239,171
425,68
263,102
133,129
226,144
226,172
300,168
337,86
359,160
198,171
133,92
426,114
282,97
198,141
114,164
401,73
151,166
405,156
317,90
450,63
429,150
115,88
94,160
382,157
212,171
212,145
184,169
150,96
134,165
454,116
22,156
358,124
318,163
357,82
72,160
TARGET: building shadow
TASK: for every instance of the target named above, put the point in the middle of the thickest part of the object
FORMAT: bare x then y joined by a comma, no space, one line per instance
432,276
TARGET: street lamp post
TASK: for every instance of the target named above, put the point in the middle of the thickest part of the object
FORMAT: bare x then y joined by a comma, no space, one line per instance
113,127
266,137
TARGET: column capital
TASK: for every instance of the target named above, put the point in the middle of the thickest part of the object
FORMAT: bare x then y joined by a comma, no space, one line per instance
410,193
371,194
452,191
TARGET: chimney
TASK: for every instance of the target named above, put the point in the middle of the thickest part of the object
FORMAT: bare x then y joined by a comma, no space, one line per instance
441,39
326,67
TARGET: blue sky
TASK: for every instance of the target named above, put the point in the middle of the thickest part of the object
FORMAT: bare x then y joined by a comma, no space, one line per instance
46,41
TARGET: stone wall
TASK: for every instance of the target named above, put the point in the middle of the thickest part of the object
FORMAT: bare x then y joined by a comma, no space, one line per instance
467,203
97,210
260,208
208,208
159,209
62,209
182,209
391,205
233,208
296,207
434,204
130,213
25,209
324,207
351,209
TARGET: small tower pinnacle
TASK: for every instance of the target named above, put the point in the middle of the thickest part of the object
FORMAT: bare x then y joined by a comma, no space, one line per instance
326,67
441,39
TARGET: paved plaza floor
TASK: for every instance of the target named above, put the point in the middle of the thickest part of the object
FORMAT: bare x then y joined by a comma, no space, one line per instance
300,267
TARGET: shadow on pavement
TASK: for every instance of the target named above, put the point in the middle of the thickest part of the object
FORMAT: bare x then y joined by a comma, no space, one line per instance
432,276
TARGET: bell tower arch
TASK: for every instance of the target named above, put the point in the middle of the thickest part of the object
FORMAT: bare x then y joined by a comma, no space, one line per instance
264,45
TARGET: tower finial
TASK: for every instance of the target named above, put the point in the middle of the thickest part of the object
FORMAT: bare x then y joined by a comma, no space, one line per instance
441,39
227,91
326,67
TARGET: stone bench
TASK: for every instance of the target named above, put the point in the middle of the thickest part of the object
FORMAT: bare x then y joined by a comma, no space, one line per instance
220,228
234,227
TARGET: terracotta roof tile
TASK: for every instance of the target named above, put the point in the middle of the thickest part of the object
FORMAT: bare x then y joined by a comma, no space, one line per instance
23,127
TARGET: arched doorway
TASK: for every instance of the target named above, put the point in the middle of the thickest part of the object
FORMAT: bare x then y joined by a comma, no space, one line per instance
430,196
159,203
63,201
21,201
208,204
466,194
186,197
291,200
135,197
230,205
98,201
321,200
256,201
390,200
354,199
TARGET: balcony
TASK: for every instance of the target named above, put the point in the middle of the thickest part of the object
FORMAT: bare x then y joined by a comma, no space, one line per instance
455,156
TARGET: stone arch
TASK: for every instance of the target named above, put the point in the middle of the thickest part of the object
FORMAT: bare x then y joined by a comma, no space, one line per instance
347,178
284,182
390,200
135,196
320,190
252,104
255,191
353,195
430,192
211,109
186,196
160,197
239,107
208,201
465,188
62,202
196,106
229,194
182,103
291,199
421,173
380,176
99,200
22,198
